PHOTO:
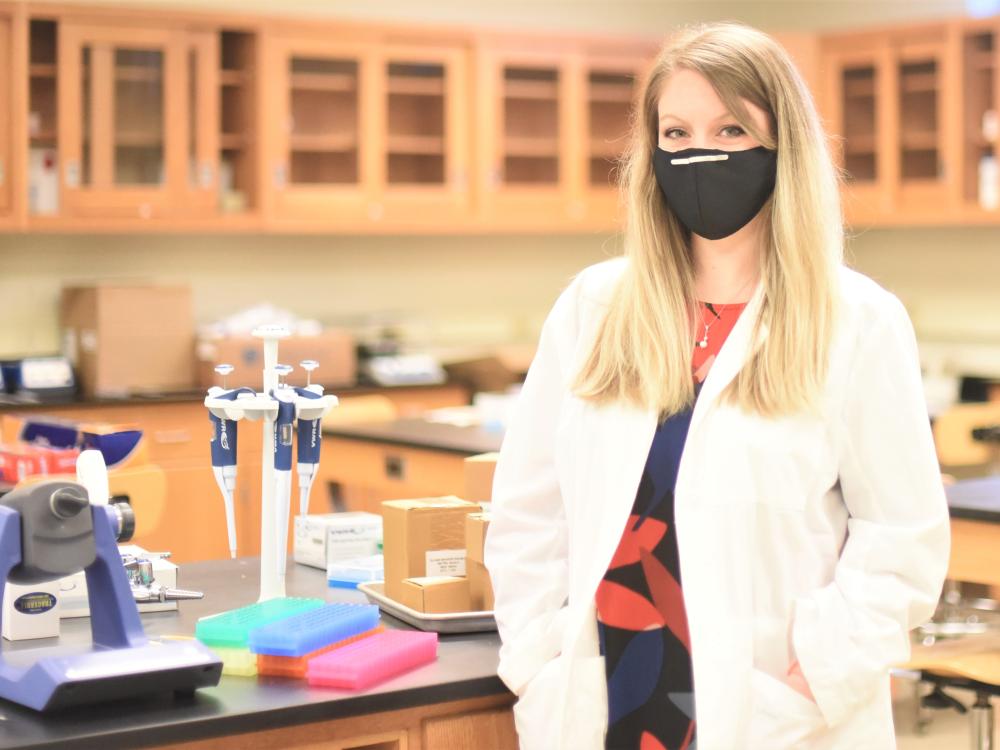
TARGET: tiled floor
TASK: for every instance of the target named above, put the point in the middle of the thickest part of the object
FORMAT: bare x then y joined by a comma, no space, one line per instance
948,730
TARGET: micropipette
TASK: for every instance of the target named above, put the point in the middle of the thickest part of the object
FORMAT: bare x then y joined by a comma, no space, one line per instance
284,428
310,435
224,453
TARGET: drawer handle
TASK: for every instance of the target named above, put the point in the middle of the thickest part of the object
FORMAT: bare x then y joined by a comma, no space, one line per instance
395,467
172,437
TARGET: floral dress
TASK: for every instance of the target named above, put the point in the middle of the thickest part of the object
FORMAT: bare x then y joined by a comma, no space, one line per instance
642,624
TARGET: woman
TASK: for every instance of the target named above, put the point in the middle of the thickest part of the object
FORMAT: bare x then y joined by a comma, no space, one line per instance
717,509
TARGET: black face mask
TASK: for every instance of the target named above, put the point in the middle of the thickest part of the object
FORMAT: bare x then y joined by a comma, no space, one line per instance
714,197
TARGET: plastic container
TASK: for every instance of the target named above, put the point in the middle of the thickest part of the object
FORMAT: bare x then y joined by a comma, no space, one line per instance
231,629
313,629
373,660
236,662
347,574
295,666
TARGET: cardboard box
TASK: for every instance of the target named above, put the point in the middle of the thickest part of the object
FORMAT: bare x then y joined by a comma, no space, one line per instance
476,526
479,472
435,594
324,538
423,537
334,349
480,587
129,338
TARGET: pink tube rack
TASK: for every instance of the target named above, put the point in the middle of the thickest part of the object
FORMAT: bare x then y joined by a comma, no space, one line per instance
373,660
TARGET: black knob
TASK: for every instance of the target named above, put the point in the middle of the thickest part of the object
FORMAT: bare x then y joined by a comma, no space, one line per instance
126,518
67,502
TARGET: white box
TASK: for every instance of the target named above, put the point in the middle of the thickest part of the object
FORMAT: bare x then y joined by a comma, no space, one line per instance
73,601
322,539
31,611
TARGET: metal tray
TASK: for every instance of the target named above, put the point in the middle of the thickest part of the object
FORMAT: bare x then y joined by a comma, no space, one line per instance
453,622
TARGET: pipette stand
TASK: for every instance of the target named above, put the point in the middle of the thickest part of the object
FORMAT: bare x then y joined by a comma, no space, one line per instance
265,408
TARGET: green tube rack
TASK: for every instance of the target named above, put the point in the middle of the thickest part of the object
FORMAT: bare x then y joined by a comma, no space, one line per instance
231,629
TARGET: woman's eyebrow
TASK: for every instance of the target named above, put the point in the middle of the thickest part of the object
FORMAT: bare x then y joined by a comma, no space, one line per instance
668,116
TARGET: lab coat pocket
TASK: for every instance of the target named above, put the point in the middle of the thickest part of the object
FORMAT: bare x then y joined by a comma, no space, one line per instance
535,712
586,718
782,717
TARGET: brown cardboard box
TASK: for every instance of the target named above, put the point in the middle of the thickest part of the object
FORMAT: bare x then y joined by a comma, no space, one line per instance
334,349
479,477
476,525
423,537
436,594
129,338
480,587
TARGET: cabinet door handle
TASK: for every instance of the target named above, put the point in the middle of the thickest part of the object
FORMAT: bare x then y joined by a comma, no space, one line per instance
395,467
172,437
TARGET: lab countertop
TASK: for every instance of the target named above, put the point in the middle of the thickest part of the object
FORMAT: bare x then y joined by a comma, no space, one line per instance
421,433
465,668
975,499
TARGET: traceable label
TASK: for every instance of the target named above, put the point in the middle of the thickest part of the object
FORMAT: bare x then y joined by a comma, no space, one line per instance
35,603
445,562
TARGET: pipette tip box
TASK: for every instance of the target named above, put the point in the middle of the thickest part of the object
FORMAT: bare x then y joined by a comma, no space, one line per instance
373,660
295,666
313,629
232,629
347,574
236,662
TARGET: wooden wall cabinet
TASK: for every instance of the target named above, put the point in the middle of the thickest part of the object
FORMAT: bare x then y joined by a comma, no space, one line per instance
136,124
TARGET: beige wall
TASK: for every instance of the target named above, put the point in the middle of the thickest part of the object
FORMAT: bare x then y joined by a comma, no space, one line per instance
454,290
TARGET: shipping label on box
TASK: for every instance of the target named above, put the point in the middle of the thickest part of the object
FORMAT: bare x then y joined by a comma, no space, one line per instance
445,562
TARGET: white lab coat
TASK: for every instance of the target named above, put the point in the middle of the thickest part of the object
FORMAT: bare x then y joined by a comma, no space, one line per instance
825,539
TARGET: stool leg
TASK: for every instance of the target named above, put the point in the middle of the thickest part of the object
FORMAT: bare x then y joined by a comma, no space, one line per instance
982,723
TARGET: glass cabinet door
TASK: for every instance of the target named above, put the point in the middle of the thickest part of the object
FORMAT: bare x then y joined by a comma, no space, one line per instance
529,105
201,113
424,165
611,90
118,90
5,114
321,164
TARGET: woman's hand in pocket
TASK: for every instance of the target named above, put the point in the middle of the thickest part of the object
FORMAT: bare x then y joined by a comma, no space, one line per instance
797,681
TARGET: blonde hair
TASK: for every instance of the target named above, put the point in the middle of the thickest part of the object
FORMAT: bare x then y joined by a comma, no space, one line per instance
643,349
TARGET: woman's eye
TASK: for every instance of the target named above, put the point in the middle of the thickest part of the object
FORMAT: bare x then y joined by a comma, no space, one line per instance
733,130
668,132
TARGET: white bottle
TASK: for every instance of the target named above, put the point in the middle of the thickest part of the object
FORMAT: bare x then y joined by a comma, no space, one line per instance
989,183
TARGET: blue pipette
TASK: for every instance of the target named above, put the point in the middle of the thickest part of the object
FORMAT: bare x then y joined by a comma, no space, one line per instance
284,429
224,453
310,435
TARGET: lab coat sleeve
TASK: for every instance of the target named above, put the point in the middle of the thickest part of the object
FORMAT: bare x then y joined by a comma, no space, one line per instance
892,566
526,543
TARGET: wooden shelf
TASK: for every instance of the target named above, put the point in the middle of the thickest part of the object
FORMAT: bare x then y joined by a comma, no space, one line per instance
337,142
138,74
610,93
918,83
421,145
860,145
531,147
410,86
233,141
982,60
337,82
139,139
864,89
42,70
601,148
919,141
43,136
531,90
233,77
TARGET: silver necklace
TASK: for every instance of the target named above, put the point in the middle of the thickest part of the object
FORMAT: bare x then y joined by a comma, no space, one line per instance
703,342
